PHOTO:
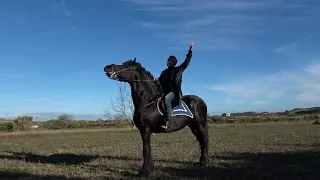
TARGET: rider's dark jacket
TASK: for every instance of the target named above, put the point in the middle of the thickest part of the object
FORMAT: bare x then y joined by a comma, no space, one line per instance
171,78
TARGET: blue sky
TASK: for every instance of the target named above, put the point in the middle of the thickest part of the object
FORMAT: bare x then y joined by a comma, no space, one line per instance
248,55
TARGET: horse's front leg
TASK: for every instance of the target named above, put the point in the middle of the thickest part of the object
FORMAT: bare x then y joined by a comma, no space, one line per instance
147,160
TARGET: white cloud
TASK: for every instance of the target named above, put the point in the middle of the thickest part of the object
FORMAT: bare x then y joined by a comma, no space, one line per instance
302,85
315,70
289,47
309,96
151,25
259,102
229,100
219,25
74,28
286,47
186,20
61,7
182,5
29,100
144,2
248,90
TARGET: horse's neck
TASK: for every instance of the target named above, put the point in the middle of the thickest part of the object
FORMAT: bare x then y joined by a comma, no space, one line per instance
143,92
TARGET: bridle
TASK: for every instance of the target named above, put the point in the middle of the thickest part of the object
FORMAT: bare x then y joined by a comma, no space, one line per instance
115,72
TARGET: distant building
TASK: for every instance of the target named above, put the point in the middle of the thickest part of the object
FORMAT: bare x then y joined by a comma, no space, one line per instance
35,126
226,114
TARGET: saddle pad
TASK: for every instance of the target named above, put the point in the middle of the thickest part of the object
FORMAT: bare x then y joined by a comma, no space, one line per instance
179,110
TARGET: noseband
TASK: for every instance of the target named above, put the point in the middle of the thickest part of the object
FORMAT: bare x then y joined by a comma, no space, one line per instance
115,71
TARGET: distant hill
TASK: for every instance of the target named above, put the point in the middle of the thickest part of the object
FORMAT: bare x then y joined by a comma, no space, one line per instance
301,111
3,120
296,111
44,116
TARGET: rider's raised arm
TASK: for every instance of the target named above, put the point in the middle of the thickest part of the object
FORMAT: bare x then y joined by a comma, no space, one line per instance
186,62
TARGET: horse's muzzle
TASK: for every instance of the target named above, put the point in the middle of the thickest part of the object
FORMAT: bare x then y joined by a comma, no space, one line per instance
110,71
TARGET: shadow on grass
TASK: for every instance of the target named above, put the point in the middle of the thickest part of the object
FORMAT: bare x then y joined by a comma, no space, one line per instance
294,165
314,147
68,159
290,165
230,165
127,158
5,175
74,159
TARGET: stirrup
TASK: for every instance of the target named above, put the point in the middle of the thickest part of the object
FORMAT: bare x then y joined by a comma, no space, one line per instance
164,126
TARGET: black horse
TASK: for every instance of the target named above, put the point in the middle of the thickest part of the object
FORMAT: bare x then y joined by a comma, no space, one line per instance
148,117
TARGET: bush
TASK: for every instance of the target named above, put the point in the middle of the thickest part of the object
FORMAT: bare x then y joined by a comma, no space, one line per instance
54,124
8,126
23,122
11,126
65,117
316,122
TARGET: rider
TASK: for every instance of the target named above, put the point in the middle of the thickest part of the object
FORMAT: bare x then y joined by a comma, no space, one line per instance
170,81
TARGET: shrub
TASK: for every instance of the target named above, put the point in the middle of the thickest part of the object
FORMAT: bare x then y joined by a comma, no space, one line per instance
316,122
54,124
65,117
11,126
23,122
8,126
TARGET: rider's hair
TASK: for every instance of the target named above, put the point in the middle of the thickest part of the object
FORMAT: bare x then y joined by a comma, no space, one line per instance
173,59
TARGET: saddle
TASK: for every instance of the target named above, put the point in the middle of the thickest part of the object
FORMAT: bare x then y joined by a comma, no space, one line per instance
162,103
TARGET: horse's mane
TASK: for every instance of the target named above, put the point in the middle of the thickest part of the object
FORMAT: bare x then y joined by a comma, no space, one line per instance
132,63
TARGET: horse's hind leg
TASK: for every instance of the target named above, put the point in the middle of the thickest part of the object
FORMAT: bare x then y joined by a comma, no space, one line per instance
201,132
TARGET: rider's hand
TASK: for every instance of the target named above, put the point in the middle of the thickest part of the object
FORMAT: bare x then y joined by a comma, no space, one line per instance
191,45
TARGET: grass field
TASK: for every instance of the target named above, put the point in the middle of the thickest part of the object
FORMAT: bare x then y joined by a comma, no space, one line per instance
271,151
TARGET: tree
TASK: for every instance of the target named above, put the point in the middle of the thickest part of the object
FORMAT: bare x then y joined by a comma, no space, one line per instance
23,122
123,107
65,117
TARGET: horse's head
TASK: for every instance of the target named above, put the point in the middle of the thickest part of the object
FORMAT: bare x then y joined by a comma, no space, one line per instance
122,72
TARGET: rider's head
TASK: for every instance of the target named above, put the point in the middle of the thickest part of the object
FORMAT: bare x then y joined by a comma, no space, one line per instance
172,61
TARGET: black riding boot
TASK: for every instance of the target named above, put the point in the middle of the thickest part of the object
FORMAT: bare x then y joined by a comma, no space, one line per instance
167,121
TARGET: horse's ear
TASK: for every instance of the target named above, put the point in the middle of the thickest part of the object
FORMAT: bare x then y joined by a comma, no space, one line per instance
134,60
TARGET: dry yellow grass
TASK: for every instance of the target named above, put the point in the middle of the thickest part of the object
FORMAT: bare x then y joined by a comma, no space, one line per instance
59,131
272,151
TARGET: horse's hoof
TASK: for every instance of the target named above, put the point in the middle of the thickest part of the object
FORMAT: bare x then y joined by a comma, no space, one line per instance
196,164
203,163
200,164
144,174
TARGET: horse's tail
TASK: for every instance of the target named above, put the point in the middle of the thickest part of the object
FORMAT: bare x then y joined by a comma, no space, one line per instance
203,108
